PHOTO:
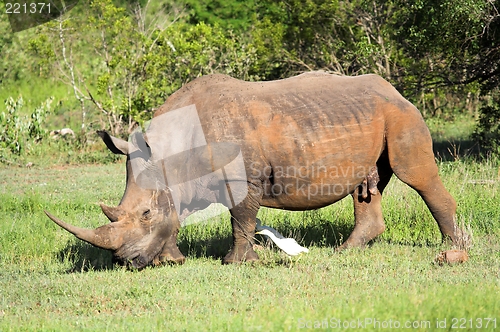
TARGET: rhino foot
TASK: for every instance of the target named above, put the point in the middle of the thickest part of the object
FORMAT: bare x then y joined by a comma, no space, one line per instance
168,259
170,255
241,254
362,234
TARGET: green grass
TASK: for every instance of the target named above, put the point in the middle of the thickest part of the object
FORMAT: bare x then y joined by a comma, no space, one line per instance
51,281
452,140
460,129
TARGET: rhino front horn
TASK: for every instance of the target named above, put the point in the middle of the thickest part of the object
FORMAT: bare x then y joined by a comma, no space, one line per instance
100,237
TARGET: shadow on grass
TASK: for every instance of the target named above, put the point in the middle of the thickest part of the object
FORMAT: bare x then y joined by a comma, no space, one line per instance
216,246
322,233
205,241
84,257
453,150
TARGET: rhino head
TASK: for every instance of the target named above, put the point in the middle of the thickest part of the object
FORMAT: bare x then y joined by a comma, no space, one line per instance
144,226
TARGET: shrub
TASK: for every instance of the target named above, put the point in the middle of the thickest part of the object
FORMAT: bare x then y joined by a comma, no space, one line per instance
17,132
487,132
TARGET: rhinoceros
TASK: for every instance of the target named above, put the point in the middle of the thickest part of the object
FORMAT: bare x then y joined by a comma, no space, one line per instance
305,142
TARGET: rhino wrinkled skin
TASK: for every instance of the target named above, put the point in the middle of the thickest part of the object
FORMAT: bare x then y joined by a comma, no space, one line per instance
306,142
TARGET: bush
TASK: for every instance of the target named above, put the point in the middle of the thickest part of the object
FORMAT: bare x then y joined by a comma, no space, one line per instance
487,132
12,126
17,132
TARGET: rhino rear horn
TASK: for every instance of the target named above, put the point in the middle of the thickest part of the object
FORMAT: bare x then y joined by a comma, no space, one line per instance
113,213
102,237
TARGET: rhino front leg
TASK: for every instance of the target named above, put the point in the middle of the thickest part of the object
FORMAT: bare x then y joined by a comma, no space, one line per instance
170,253
369,222
243,222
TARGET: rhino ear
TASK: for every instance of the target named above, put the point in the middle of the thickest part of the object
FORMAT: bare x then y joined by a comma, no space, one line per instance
115,145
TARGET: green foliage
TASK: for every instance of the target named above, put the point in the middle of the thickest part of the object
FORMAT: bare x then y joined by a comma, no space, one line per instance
14,59
136,66
121,59
36,128
449,42
18,131
11,126
443,27
437,52
487,131
228,14
341,37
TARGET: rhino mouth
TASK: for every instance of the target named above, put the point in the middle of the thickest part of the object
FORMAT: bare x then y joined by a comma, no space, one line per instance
134,260
135,255
137,261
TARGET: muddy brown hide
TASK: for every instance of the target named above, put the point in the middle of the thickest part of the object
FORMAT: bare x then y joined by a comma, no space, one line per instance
307,142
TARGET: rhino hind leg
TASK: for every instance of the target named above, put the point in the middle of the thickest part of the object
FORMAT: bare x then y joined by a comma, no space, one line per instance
438,200
243,222
412,159
369,222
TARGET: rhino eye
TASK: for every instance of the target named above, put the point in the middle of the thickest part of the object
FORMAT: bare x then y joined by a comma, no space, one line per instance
146,213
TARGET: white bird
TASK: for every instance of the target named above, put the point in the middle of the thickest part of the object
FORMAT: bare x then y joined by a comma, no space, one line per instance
288,245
